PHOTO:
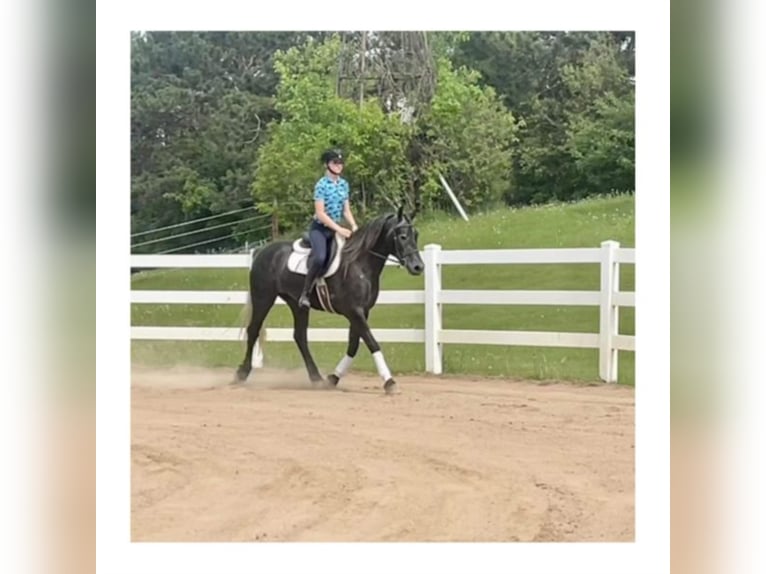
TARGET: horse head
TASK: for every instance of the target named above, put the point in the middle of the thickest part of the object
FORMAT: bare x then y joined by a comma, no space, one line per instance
403,242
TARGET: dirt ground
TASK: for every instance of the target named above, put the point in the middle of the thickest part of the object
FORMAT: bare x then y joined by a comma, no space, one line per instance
444,459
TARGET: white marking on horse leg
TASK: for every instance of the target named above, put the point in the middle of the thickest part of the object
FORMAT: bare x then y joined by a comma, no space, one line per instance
380,363
343,366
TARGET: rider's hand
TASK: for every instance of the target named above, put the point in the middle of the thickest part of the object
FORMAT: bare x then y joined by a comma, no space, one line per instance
346,233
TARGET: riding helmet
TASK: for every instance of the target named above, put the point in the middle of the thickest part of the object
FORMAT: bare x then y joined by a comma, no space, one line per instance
332,155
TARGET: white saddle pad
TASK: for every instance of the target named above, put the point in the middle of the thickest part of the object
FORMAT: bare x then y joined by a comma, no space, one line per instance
298,259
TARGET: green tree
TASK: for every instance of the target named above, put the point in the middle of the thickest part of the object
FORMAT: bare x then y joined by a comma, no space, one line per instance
314,117
600,121
563,88
464,134
200,104
471,137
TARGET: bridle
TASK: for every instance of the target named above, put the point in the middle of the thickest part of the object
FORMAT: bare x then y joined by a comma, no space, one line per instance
399,256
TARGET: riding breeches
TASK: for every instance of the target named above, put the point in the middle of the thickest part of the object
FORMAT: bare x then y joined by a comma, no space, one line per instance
320,238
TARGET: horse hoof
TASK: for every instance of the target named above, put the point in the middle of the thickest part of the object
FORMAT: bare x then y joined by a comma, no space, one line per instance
332,380
389,386
241,376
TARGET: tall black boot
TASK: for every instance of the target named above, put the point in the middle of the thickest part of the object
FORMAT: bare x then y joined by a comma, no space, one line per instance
311,275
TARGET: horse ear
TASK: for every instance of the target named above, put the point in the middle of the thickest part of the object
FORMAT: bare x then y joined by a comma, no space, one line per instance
400,213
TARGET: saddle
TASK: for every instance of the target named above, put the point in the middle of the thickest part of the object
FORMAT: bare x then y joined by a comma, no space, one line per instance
297,262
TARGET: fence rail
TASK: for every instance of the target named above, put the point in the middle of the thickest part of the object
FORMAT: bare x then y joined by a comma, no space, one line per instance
433,336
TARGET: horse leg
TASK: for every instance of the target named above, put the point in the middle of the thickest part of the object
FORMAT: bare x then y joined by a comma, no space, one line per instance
345,363
300,326
260,308
359,323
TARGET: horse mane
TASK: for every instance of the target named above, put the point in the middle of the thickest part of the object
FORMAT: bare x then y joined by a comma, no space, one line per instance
364,239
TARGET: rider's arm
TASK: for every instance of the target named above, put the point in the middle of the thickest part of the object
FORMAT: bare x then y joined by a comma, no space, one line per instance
349,216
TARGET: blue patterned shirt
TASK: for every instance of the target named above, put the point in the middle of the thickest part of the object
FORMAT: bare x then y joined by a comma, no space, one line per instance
334,194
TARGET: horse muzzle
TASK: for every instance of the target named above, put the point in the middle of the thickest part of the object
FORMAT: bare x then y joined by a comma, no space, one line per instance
414,264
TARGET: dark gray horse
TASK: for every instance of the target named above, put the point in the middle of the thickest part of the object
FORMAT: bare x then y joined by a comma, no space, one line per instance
353,290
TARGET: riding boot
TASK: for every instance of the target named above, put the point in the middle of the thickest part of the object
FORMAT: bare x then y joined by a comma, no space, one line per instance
311,276
319,237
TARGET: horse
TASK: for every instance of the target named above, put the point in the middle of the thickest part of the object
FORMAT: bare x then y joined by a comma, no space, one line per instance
351,290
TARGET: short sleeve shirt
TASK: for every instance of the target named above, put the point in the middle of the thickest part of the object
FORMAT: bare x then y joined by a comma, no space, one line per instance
334,194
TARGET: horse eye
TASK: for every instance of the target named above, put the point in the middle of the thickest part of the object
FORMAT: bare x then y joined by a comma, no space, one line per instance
402,237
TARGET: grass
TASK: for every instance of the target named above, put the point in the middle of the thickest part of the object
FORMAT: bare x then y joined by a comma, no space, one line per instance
583,224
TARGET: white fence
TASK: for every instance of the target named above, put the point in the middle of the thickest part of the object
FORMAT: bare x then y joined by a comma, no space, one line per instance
609,299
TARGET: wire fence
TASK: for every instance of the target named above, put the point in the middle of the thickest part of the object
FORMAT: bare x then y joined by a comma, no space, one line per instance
209,241
190,222
184,240
290,210
196,231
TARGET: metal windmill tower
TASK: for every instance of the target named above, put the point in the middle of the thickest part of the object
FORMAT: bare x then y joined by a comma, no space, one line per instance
397,68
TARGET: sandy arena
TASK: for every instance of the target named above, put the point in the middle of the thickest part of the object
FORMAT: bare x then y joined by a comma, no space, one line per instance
445,459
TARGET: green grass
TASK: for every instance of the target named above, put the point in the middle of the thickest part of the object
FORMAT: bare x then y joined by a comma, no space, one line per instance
583,224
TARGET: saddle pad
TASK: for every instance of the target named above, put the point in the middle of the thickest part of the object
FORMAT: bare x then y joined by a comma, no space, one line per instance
298,259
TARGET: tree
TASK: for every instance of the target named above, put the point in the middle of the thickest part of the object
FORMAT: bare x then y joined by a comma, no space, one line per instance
600,121
200,104
394,157
551,81
471,136
314,117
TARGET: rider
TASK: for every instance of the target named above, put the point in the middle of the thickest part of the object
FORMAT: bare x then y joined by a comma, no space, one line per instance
331,205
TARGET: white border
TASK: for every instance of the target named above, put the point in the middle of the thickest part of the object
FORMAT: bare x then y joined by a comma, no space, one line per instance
650,552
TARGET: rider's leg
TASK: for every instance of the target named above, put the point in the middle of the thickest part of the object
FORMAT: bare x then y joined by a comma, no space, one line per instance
316,263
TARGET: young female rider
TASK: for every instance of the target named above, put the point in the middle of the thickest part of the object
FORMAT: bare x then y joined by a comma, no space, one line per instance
331,205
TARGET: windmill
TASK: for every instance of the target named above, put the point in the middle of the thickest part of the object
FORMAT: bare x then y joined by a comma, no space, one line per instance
397,68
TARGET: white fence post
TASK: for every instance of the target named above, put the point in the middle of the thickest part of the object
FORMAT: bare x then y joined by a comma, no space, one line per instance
608,324
433,286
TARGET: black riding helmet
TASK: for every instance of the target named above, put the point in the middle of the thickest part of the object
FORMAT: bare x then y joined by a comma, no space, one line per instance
332,155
